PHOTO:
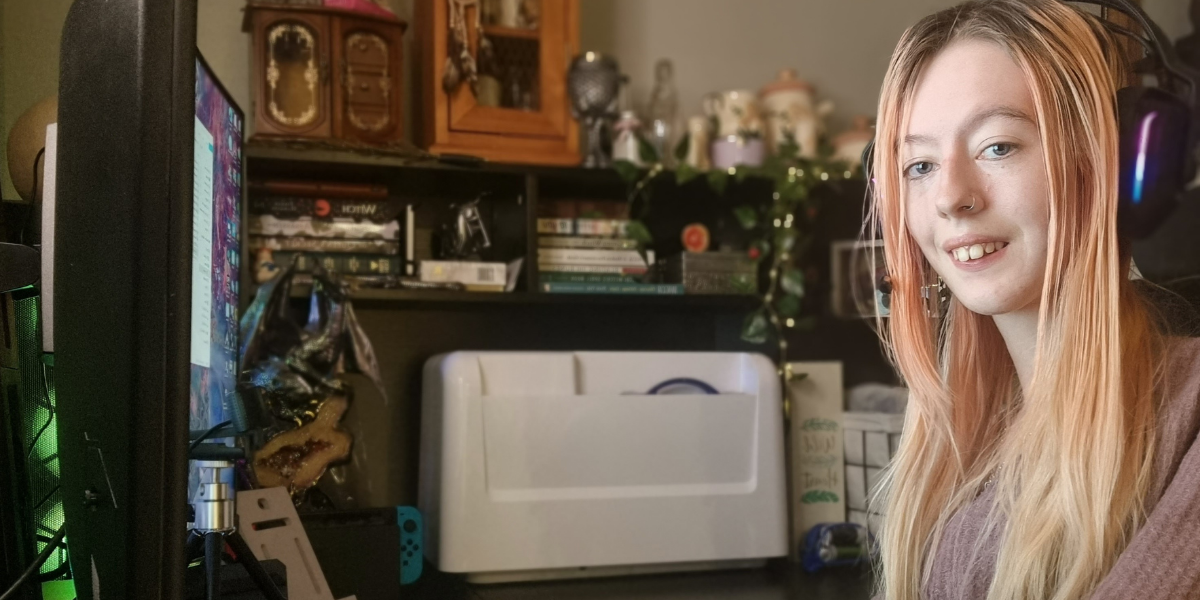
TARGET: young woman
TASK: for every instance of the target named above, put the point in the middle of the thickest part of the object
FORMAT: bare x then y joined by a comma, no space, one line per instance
1050,445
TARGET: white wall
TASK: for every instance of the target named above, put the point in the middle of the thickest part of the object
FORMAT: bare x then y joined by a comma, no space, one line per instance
840,46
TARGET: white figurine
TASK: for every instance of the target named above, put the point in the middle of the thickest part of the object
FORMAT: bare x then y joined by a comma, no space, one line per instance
625,147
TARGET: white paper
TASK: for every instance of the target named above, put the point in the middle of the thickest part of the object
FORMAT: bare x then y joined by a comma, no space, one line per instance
202,245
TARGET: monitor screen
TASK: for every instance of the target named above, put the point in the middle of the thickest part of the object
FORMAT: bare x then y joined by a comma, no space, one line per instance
216,251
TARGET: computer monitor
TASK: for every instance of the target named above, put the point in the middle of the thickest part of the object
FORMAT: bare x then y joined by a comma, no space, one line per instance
146,264
216,254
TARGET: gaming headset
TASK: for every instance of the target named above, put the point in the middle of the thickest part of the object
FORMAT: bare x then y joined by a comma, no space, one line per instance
1158,133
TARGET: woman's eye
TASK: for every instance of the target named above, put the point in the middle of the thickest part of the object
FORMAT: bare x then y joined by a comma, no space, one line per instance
918,169
1000,149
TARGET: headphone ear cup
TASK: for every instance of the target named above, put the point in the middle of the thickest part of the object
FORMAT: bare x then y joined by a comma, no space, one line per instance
1154,157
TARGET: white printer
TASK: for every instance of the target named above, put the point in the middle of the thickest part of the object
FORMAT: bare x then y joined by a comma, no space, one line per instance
540,465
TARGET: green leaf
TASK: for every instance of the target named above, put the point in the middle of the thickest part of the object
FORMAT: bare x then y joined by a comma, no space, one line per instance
629,172
754,328
718,180
746,216
646,151
793,282
764,247
681,149
637,231
786,239
788,305
685,173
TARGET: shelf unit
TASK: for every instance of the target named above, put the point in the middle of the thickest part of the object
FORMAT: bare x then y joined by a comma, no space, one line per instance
422,177
407,327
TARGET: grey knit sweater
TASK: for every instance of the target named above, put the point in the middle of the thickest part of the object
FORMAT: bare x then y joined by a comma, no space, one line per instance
1163,560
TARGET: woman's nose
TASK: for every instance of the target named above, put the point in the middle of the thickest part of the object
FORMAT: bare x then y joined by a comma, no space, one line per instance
958,195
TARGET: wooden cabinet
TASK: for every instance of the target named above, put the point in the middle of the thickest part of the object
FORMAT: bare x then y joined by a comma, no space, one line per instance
519,112
326,73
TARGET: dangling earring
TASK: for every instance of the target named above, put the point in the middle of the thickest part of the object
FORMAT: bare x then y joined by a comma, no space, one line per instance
937,298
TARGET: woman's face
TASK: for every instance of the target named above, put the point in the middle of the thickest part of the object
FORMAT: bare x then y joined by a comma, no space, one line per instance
972,141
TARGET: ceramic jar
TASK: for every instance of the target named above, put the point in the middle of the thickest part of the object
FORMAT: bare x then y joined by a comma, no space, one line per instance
734,151
791,111
736,112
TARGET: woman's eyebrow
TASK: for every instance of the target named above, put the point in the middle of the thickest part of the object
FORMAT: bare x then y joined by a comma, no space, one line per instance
1002,111
974,121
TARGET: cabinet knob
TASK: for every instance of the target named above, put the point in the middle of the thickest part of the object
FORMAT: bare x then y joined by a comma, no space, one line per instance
364,86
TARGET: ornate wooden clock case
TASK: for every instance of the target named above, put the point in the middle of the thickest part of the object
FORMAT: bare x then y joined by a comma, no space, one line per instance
326,73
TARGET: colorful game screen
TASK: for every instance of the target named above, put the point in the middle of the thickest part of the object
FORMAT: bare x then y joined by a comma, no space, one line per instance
216,222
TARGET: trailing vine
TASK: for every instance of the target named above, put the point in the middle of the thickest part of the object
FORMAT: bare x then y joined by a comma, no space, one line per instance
781,230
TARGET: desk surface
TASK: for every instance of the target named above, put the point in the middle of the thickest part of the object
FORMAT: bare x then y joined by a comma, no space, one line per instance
777,582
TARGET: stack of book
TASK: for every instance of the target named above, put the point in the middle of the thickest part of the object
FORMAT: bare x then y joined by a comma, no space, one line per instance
349,229
583,249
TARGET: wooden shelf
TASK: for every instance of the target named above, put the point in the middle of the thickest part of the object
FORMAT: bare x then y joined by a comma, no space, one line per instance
512,32
278,155
426,298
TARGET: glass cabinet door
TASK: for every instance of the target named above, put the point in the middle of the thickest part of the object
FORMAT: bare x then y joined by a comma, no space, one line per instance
521,59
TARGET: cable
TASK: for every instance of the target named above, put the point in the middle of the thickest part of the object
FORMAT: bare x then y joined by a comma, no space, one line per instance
203,436
50,408
32,195
37,563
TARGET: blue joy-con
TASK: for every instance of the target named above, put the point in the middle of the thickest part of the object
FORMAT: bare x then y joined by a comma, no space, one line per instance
412,540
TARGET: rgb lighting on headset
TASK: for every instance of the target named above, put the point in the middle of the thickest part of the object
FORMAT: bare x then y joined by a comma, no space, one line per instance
1139,172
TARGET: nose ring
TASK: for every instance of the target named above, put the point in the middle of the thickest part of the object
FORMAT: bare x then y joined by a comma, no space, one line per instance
972,206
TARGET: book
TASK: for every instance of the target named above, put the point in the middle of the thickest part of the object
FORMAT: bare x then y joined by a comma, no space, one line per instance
602,227
549,267
556,226
594,256
587,278
652,289
348,264
291,207
327,189
557,241
310,244
468,273
322,228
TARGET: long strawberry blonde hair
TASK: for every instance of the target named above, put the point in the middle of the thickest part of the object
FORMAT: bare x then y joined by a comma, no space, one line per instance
1071,458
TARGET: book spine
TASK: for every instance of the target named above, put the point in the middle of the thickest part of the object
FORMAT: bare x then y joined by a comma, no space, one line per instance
469,273
308,244
547,267
319,188
649,289
349,264
586,242
586,278
556,226
309,227
292,207
591,256
601,227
